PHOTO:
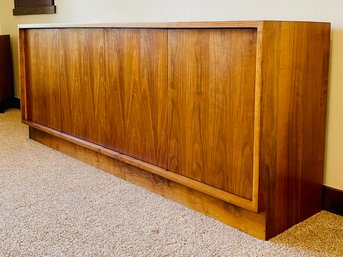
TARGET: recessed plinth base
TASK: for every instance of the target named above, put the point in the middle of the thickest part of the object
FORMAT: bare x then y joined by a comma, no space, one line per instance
239,218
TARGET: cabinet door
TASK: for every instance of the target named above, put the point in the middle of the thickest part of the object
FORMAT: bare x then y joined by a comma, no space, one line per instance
82,83
136,93
43,80
211,106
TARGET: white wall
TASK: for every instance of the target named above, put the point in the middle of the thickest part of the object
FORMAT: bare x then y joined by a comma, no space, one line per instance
89,11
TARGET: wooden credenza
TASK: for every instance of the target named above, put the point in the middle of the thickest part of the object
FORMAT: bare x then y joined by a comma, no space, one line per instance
227,118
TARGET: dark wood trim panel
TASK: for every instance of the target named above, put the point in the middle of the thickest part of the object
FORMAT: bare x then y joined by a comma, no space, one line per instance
33,3
35,10
26,7
332,200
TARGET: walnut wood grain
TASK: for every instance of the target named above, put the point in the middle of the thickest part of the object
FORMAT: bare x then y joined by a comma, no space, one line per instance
212,91
82,75
136,93
295,58
191,183
43,78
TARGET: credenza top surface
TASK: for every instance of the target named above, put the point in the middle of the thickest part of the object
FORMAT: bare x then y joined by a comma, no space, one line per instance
202,24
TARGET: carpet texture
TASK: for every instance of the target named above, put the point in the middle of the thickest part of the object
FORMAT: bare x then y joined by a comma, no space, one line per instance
54,205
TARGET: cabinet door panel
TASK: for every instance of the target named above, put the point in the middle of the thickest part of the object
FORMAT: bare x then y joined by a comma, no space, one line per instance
212,102
82,83
136,92
43,80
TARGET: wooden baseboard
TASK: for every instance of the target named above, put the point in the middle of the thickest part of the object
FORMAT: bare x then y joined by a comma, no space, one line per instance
15,103
237,217
10,103
332,200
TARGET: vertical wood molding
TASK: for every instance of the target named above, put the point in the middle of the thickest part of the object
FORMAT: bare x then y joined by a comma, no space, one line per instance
22,73
332,200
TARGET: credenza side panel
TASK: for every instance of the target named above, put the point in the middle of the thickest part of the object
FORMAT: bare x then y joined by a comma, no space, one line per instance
136,93
295,77
82,82
43,77
211,106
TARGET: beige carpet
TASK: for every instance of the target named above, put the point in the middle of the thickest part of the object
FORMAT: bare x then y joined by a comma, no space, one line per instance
53,205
